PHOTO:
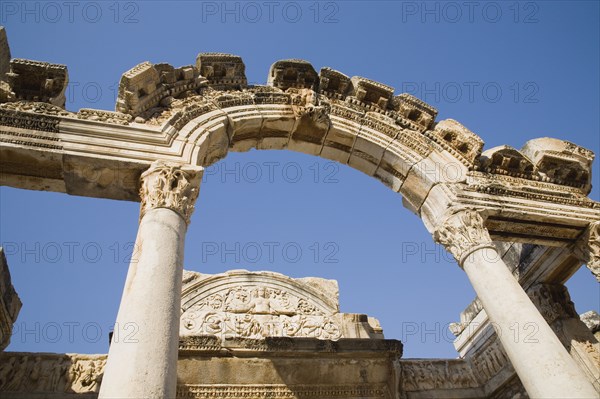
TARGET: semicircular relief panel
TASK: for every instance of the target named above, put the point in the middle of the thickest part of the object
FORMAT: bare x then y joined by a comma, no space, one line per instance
242,304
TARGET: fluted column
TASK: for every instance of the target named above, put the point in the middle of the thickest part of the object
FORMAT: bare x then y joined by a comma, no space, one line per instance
544,366
142,360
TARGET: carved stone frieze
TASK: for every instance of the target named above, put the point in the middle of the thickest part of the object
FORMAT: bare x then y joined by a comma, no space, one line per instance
513,389
462,233
170,186
280,391
50,373
261,305
490,361
117,118
429,375
307,103
26,120
553,301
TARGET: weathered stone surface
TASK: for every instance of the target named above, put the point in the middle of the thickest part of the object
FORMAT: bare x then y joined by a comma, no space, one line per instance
10,304
50,375
4,53
147,86
459,140
259,305
591,320
38,81
370,94
194,115
294,73
415,110
561,162
224,71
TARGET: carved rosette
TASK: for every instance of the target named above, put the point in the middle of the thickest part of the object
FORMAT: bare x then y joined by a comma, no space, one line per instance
587,248
462,233
170,186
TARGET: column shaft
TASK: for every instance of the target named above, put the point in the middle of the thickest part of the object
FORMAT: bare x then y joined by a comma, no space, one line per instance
142,359
544,366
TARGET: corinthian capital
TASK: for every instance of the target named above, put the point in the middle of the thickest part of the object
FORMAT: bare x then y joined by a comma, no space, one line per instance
587,248
170,186
462,233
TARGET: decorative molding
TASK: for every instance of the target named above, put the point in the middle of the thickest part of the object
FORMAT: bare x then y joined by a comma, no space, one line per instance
587,248
553,301
170,186
429,375
52,374
280,391
26,120
462,233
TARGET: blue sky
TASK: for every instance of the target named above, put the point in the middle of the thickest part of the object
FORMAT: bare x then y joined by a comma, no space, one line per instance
509,71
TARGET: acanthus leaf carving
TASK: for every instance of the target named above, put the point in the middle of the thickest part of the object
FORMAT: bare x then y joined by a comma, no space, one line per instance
170,186
587,248
462,233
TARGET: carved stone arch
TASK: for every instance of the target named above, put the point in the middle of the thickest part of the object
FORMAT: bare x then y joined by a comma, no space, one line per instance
323,294
382,143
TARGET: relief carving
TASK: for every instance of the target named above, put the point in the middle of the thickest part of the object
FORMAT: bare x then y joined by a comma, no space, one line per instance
587,248
553,301
51,373
306,102
462,233
490,361
170,186
437,374
280,391
258,312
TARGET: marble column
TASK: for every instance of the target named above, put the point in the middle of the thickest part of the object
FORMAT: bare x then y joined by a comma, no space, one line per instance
544,366
142,359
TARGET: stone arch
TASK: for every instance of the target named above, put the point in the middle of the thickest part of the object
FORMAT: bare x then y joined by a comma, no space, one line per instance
179,120
354,121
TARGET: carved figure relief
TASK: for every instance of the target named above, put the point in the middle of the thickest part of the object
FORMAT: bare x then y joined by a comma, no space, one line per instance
437,374
51,373
257,312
